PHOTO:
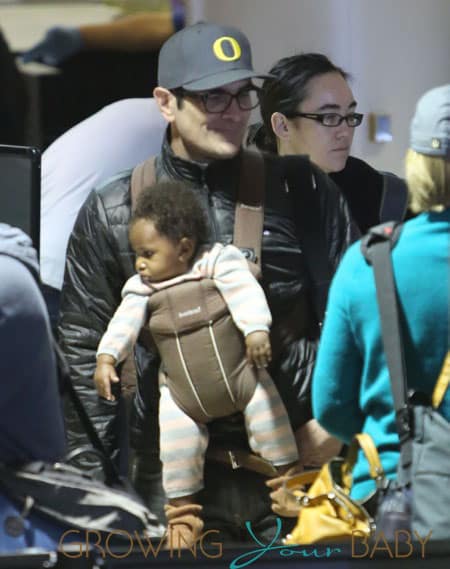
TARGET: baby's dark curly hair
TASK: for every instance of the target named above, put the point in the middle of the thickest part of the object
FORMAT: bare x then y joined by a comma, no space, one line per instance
175,211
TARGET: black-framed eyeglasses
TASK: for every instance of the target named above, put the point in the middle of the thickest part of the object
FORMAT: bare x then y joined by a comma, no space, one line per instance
218,101
330,119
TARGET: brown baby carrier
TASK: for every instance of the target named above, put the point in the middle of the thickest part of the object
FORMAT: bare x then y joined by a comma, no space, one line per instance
203,351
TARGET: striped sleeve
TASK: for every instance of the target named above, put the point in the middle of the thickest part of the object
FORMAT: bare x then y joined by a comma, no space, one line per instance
125,325
243,294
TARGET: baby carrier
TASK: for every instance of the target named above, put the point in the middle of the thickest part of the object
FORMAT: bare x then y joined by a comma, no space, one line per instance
202,349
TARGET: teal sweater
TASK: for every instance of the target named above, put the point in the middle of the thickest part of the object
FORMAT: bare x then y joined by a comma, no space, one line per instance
351,390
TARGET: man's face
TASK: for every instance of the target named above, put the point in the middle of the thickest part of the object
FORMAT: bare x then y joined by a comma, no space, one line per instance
201,135
328,147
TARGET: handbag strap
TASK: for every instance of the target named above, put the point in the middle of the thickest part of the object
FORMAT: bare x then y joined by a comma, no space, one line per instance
376,247
390,326
365,442
442,383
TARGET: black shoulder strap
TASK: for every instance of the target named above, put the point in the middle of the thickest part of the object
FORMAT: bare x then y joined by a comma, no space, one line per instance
376,248
394,201
389,231
249,212
302,187
112,477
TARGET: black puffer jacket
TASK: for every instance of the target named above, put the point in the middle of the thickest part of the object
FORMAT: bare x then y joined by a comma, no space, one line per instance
99,261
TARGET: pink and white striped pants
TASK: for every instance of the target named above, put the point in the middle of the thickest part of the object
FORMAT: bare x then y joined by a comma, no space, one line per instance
183,442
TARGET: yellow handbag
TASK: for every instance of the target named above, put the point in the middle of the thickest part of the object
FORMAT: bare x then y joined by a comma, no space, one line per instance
326,511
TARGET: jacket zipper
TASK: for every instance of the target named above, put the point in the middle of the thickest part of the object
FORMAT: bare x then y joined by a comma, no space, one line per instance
211,214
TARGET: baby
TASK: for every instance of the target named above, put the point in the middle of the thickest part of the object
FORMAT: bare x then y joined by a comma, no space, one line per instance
209,319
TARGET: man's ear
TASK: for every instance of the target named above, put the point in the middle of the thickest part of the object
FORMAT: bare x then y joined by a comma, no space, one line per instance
166,102
280,125
186,249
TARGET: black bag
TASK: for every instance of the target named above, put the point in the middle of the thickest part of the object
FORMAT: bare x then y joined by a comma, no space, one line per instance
419,499
74,498
394,200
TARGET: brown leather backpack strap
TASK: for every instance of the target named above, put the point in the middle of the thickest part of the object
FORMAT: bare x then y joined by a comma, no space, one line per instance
249,213
143,176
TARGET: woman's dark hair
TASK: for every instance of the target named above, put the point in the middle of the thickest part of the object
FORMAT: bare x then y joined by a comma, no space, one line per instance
286,90
175,211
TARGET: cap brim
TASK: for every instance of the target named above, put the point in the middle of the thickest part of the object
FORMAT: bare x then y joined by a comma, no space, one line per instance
223,78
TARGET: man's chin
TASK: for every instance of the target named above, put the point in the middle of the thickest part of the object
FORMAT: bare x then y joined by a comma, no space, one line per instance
224,146
224,151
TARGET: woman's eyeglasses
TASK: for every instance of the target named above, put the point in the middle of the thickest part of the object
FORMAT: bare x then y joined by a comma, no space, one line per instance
330,119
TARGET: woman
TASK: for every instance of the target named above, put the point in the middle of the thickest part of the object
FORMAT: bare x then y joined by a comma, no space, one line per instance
310,83
351,387
308,107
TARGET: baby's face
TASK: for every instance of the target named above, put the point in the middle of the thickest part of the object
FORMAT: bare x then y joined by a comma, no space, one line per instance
157,257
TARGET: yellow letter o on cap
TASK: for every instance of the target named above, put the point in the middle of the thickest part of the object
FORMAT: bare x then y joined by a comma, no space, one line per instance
220,54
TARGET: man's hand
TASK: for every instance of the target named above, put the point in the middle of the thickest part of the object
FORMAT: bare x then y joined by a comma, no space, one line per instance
284,502
259,351
315,445
105,375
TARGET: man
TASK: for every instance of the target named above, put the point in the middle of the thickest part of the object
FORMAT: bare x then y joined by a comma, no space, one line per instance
206,95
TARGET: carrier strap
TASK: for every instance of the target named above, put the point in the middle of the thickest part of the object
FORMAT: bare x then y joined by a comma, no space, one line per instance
143,176
249,212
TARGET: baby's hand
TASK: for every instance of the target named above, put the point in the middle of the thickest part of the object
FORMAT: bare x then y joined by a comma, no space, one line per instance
259,351
105,374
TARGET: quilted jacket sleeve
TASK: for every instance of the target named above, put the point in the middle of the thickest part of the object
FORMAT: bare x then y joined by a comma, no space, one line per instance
337,223
294,368
93,279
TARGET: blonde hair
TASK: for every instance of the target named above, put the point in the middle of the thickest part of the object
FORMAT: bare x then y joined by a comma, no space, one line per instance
428,181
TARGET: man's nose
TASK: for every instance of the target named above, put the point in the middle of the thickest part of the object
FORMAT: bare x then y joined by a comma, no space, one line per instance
234,111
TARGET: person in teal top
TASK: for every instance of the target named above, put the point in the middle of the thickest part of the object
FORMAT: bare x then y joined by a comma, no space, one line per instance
351,389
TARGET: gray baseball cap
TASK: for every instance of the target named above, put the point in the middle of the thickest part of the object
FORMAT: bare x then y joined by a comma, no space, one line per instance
430,126
205,56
